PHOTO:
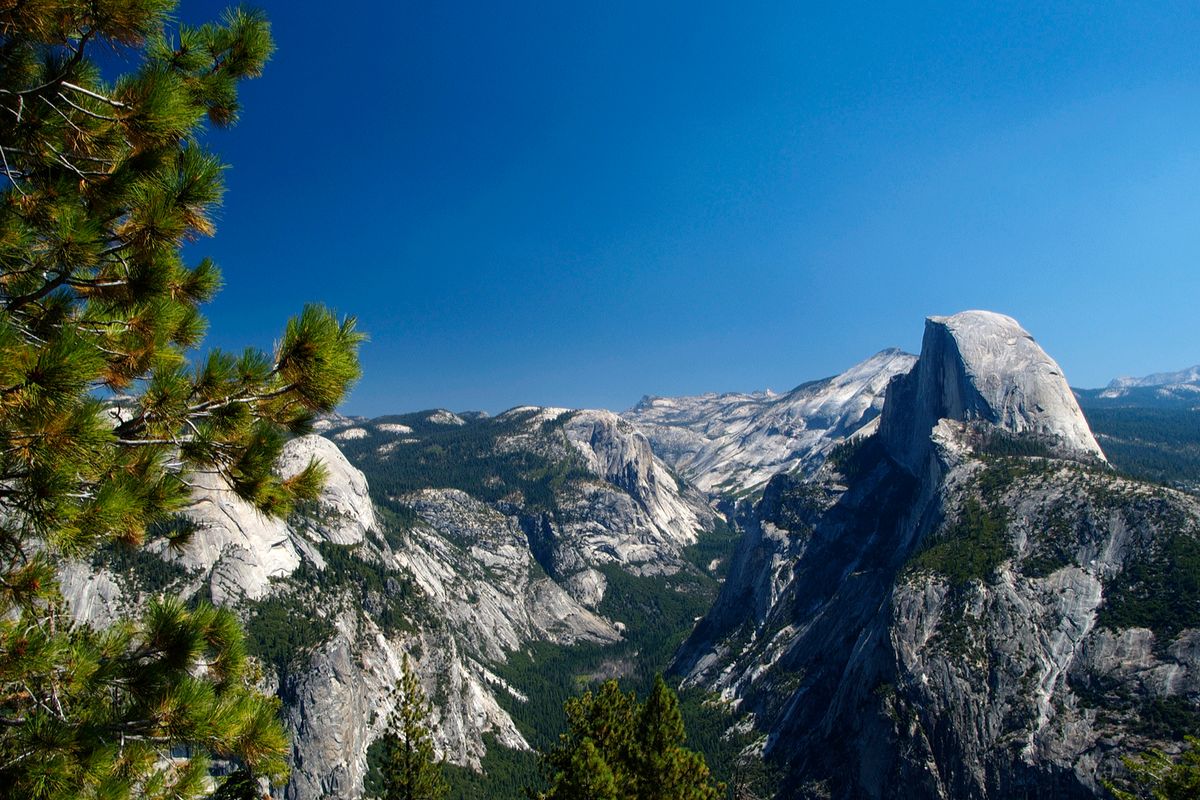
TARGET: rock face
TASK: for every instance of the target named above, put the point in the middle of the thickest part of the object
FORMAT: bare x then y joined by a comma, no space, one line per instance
733,443
579,491
646,521
979,365
346,513
497,534
474,564
341,703
964,605
238,551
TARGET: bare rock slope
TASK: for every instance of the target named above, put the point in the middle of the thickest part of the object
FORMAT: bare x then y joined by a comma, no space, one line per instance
733,443
980,365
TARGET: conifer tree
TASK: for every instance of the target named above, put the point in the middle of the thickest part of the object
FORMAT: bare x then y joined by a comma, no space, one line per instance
615,746
666,769
588,776
103,417
410,769
1155,776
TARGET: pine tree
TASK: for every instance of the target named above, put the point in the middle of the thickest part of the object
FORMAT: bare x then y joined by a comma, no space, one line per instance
410,769
633,751
666,769
103,417
588,776
1155,776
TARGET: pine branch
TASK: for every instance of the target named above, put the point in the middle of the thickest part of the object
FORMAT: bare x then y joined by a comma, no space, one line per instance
17,303
8,173
94,95
86,111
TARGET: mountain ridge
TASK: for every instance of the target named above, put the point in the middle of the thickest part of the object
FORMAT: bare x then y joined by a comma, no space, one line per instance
881,546
944,609
733,443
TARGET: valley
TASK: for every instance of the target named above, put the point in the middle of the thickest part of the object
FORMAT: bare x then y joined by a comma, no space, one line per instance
827,575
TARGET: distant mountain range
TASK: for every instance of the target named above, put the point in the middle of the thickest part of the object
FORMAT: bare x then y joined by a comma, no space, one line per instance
1161,390
1190,375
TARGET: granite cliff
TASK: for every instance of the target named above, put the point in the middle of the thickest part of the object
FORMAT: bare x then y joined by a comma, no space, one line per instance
969,603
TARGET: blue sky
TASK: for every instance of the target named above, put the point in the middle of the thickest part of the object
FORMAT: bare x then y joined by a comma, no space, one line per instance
579,203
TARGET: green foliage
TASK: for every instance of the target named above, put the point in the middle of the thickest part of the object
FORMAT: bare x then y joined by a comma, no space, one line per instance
119,697
615,747
791,503
103,416
999,443
282,628
386,592
407,767
1154,444
137,570
855,458
1159,590
548,675
658,612
467,457
1168,718
1155,776
505,774
240,785
715,545
970,548
1000,473
708,720
1053,547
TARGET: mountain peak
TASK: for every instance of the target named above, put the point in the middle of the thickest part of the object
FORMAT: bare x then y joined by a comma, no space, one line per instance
980,365
1189,375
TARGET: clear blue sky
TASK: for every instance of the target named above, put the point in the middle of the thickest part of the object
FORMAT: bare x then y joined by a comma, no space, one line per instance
579,203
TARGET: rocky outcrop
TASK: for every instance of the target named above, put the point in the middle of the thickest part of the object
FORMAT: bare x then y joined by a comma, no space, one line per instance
341,703
734,443
474,564
938,615
92,594
238,551
236,548
633,513
583,490
345,512
979,365
620,454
